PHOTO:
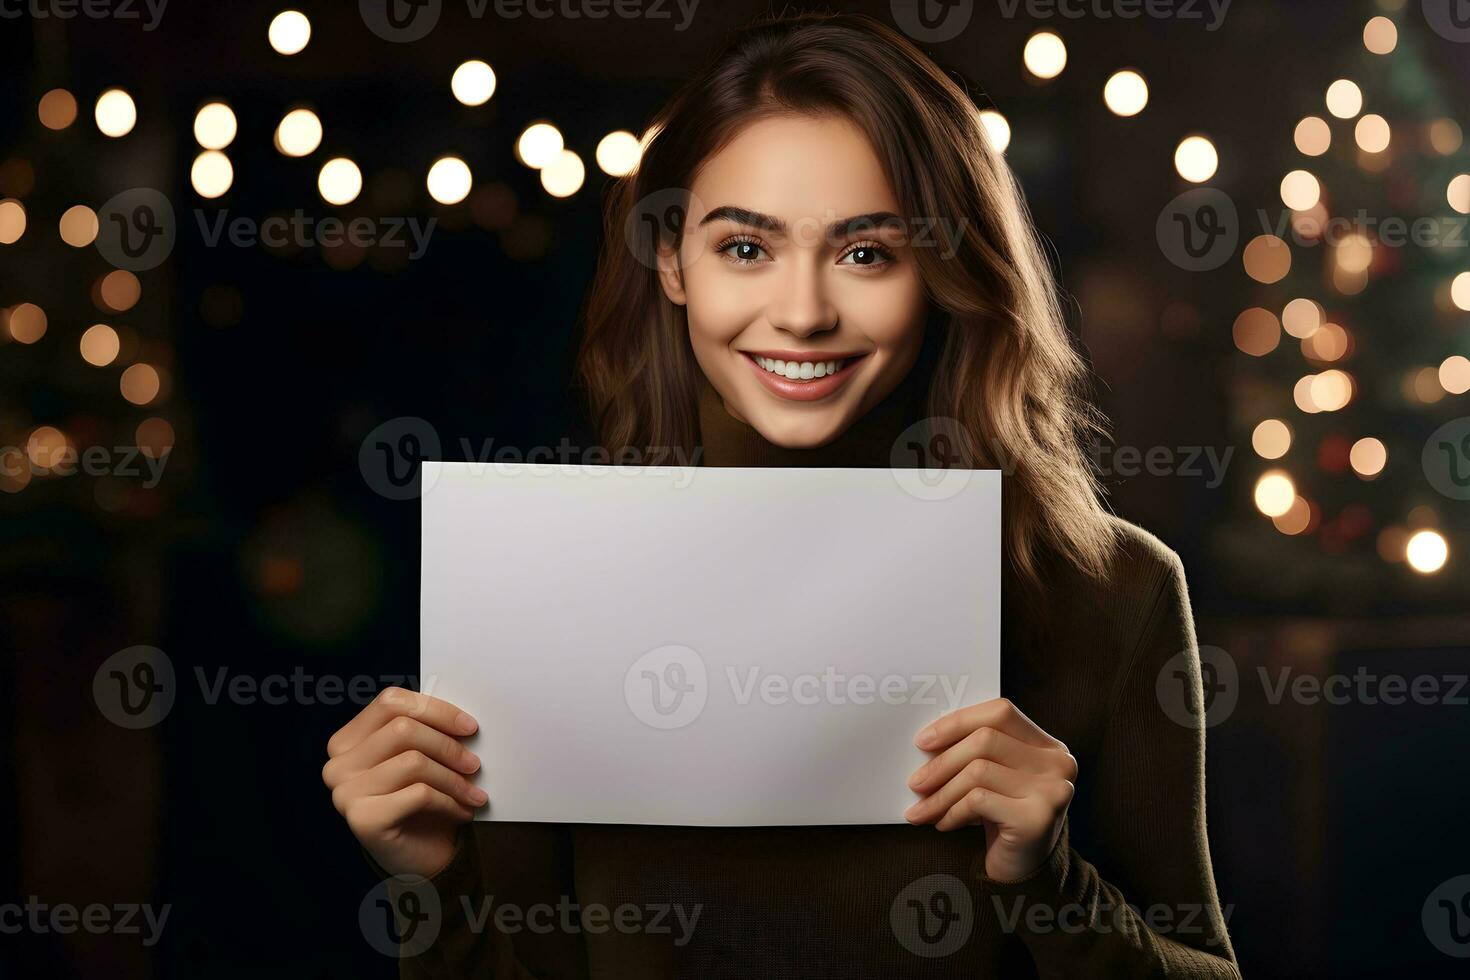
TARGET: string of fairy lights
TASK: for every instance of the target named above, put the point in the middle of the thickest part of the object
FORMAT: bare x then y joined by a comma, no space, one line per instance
1325,345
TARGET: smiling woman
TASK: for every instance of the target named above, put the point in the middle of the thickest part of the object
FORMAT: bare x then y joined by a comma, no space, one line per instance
770,291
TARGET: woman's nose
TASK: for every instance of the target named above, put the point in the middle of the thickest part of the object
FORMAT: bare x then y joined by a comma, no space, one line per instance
801,306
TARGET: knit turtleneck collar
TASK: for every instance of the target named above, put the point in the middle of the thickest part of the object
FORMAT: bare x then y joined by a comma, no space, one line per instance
868,443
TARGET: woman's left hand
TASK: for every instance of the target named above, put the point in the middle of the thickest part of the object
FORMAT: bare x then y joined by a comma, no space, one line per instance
997,768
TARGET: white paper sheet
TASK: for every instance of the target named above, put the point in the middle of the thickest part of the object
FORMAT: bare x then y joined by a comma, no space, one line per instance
706,646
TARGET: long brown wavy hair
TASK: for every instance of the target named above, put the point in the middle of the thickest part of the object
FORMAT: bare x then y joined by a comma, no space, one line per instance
1006,369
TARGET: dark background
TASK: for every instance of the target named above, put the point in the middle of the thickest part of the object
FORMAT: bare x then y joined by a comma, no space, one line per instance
263,550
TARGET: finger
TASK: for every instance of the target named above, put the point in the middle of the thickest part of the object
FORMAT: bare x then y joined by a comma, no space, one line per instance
399,735
998,713
984,743
405,769
978,773
982,805
376,816
396,702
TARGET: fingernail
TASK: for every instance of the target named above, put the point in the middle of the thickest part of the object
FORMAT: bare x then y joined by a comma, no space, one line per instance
471,760
926,737
478,796
909,813
916,779
464,723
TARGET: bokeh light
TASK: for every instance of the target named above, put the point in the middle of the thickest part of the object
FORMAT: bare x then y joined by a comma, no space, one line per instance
1274,493
1196,159
78,226
1380,35
539,145
1344,99
1368,457
12,221
339,181
289,32
563,176
1427,551
140,383
99,345
619,153
299,133
1267,259
1372,133
1301,318
215,126
1313,136
120,290
27,323
1271,439
115,113
997,130
1126,93
57,109
1256,332
1454,374
1300,190
473,83
449,180
1045,55
211,174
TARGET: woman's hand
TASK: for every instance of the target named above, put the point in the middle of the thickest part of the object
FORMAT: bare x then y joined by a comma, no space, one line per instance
997,768
397,774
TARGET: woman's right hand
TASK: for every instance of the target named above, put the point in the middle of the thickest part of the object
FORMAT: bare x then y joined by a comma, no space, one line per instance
397,775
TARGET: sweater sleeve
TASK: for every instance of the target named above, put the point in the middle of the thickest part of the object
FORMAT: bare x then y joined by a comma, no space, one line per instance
466,939
1156,914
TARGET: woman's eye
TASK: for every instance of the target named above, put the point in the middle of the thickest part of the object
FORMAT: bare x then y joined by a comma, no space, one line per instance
742,252
867,255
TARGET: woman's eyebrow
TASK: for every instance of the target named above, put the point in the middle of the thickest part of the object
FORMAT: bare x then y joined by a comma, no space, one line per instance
766,222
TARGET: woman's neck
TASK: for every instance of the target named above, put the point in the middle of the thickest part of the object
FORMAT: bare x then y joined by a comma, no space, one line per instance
868,442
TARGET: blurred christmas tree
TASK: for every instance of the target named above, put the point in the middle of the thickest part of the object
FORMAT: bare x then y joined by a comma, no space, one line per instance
1351,384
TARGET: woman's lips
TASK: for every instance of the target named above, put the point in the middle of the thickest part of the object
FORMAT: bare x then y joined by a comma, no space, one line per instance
800,388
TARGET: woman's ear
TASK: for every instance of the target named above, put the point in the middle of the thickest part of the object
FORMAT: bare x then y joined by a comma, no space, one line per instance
670,276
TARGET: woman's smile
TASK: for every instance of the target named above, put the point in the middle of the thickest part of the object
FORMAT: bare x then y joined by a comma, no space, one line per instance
802,375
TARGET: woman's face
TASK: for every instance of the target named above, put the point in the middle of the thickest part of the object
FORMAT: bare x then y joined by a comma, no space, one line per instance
801,324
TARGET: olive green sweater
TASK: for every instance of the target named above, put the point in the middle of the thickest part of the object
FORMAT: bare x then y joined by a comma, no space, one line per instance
1127,892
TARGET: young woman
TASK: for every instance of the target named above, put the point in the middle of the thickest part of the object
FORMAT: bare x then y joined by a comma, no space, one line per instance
850,257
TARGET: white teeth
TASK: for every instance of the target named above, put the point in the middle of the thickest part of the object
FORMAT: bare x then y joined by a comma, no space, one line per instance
799,370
